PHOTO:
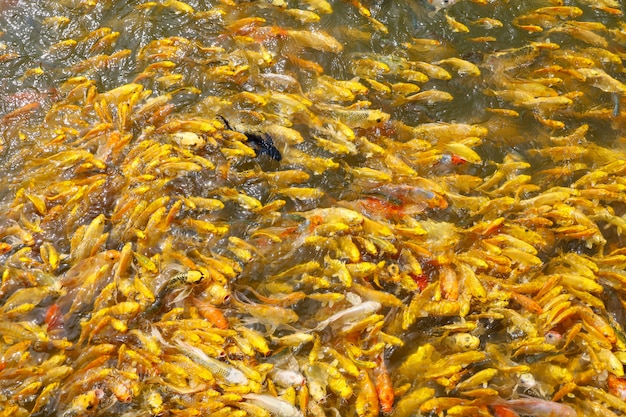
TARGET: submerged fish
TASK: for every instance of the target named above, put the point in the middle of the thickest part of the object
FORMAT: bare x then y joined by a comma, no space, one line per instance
441,4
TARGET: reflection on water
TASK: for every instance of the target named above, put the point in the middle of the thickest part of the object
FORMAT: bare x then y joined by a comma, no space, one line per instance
312,208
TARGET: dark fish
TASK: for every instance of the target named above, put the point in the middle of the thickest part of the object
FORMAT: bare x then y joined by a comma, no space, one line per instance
613,304
262,143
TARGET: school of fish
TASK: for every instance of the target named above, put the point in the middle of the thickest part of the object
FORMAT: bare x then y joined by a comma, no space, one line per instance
312,208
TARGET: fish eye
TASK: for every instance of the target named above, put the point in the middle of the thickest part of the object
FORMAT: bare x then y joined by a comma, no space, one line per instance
39,346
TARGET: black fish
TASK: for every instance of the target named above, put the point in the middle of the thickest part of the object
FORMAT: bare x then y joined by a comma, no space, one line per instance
262,143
